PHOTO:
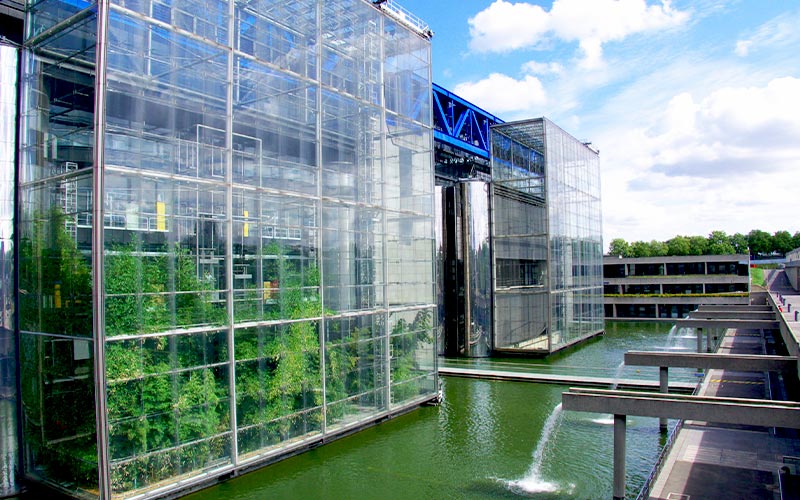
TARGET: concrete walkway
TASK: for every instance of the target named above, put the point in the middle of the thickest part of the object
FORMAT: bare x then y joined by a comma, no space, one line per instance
547,378
712,462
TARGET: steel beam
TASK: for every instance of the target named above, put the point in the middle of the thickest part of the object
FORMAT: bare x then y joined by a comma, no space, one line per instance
737,411
727,323
737,315
737,362
733,307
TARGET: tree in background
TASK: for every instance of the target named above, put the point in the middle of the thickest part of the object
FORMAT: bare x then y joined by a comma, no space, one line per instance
756,242
679,245
641,249
740,243
658,248
760,242
719,243
619,248
698,245
782,242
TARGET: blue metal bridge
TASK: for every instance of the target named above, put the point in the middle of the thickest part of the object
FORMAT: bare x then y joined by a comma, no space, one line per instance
461,124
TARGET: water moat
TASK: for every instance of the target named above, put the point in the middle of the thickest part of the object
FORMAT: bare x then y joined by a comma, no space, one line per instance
488,439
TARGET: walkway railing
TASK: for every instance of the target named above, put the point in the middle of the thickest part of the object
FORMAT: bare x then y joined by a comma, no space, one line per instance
644,493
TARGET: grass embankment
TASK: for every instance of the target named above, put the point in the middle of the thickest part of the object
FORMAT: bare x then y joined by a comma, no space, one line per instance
757,276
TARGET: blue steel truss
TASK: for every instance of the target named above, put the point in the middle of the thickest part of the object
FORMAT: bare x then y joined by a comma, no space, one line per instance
461,123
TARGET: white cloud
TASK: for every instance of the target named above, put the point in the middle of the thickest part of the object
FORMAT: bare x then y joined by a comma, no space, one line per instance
701,163
538,68
781,30
743,47
506,26
733,131
501,93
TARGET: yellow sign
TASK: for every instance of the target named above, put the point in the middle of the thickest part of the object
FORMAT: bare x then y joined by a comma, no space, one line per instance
161,216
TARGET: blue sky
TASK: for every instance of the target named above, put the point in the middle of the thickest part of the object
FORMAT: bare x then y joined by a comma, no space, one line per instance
694,105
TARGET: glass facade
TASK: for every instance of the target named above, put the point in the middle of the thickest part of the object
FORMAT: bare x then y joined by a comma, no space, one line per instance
226,234
9,455
547,237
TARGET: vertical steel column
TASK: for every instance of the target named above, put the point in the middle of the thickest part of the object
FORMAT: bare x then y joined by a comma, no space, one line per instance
663,386
98,244
231,337
387,343
620,425
547,231
708,340
437,219
320,237
466,236
699,340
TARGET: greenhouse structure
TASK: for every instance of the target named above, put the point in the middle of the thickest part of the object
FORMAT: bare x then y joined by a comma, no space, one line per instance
225,235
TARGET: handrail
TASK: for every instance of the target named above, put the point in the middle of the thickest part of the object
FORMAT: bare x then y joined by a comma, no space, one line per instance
644,493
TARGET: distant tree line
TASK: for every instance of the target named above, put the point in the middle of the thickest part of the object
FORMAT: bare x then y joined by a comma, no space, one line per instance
756,243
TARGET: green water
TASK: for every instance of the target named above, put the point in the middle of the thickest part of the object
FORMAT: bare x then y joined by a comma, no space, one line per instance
479,443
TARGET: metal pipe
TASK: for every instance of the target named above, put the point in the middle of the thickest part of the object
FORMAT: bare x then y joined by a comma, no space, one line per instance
98,245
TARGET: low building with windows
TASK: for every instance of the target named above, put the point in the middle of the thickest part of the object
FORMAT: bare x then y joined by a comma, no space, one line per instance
670,287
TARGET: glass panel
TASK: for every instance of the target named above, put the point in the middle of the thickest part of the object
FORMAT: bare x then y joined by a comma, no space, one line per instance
275,273
57,377
167,407
279,32
352,258
411,355
45,14
57,108
9,451
274,129
354,364
55,245
279,386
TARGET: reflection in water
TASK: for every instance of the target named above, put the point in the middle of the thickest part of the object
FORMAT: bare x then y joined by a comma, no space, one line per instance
482,422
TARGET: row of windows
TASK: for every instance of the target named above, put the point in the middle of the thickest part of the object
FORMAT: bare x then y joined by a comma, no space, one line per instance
681,289
675,269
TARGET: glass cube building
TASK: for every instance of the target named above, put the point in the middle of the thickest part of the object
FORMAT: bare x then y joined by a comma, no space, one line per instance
225,235
519,236
547,238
